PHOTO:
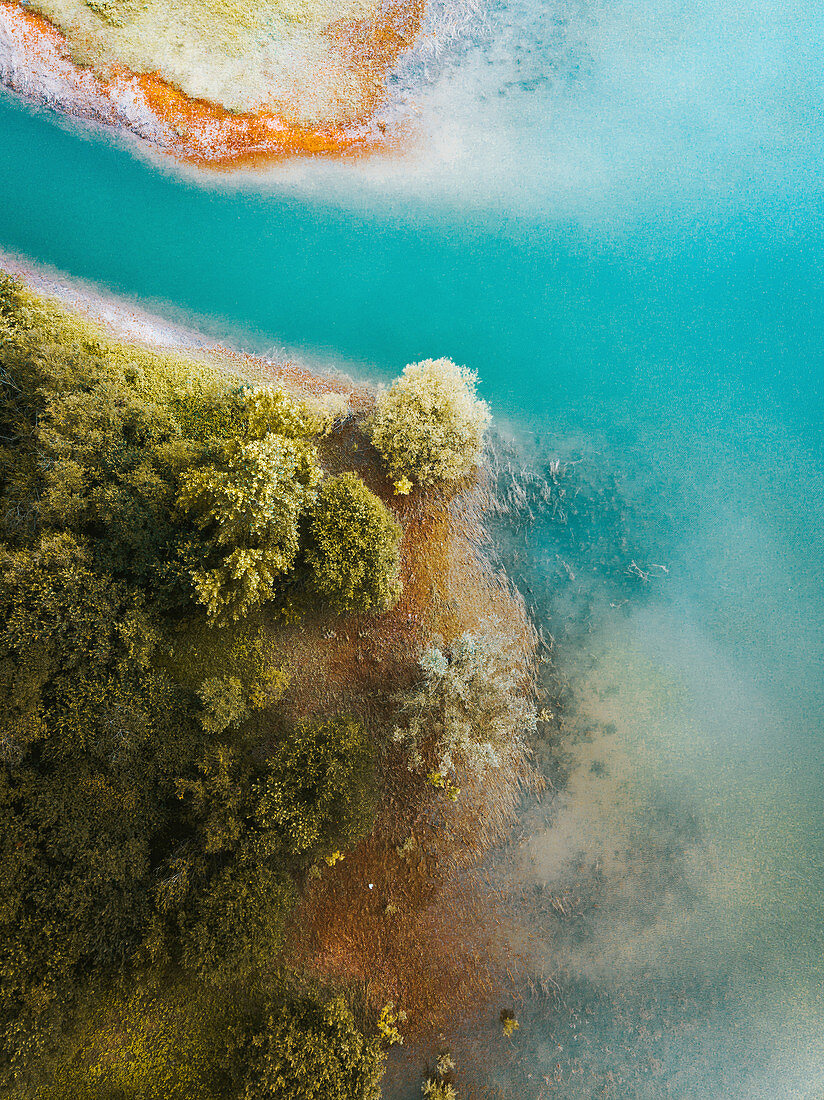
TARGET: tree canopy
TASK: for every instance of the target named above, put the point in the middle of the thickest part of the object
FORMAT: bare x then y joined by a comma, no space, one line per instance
313,1050
429,425
247,506
354,548
157,814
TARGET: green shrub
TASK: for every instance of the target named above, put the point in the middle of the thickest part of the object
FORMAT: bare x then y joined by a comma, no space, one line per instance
354,551
468,710
236,928
311,1050
234,669
248,508
429,424
509,1023
434,1089
318,788
438,1086
388,1025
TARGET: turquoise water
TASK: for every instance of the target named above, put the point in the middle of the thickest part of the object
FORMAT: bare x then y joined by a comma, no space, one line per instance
614,214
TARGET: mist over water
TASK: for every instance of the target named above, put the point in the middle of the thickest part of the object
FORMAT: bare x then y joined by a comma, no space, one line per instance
600,110
670,885
613,211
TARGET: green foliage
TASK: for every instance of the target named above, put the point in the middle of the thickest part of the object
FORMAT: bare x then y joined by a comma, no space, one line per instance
247,501
244,413
83,806
224,901
233,668
445,1064
509,1024
224,703
310,1050
248,509
94,446
388,1025
17,318
437,1085
60,621
434,1089
157,1042
354,551
236,927
318,789
443,783
468,710
272,411
103,478
42,340
429,424
143,821
177,1039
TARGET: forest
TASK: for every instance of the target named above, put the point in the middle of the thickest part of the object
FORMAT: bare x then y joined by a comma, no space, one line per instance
176,542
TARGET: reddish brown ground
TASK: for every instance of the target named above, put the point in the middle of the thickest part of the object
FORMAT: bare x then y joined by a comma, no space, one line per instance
205,133
428,934
407,913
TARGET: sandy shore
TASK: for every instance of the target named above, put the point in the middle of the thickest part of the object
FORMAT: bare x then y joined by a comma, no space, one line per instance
126,321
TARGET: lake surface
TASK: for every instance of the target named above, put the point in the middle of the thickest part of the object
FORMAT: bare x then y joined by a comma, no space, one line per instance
613,212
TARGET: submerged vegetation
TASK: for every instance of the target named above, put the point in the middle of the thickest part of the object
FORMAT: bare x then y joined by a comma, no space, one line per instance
438,1085
203,658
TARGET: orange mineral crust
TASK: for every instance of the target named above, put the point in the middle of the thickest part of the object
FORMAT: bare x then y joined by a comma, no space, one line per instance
36,61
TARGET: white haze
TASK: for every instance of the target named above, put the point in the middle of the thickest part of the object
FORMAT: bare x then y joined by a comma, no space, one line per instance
593,108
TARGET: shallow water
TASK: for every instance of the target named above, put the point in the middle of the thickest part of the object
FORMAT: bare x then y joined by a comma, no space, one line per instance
613,211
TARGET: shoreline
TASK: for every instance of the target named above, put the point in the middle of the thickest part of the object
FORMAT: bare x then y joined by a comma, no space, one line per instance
36,63
425,934
126,321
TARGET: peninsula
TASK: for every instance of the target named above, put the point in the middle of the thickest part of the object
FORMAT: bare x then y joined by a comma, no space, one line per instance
215,84
264,701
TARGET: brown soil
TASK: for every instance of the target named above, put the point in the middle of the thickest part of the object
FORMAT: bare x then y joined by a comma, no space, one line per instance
408,913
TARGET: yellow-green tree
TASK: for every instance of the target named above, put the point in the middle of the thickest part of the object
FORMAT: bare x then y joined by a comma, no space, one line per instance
354,549
247,509
429,425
